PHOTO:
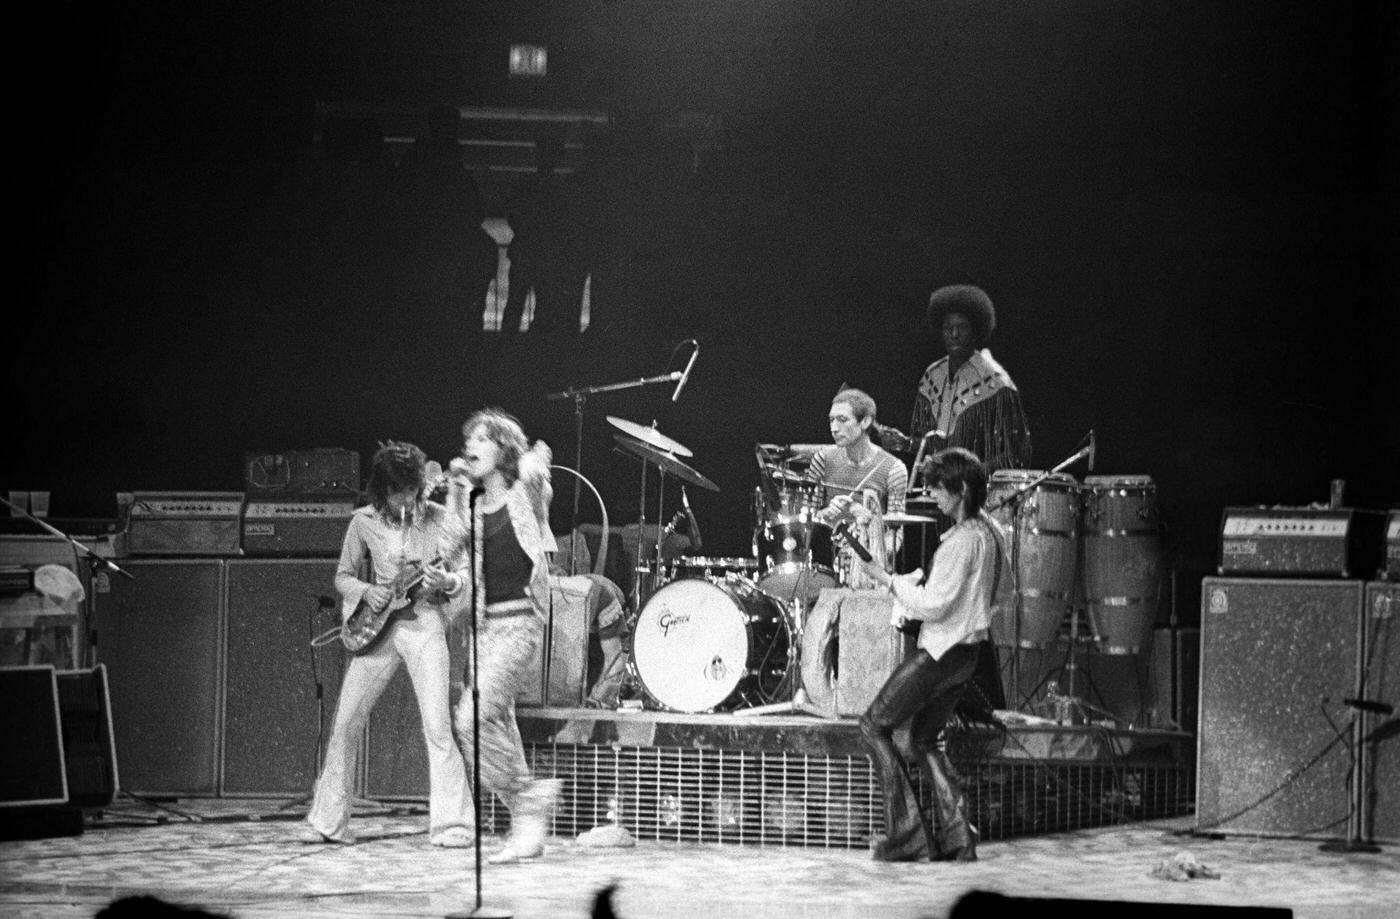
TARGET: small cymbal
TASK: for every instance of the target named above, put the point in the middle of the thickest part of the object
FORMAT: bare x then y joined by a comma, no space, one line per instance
905,519
666,462
649,435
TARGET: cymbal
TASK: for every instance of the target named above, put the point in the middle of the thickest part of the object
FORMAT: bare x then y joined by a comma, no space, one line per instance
649,435
666,462
905,519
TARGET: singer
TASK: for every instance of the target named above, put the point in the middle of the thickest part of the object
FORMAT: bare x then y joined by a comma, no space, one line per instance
500,487
966,393
971,578
397,529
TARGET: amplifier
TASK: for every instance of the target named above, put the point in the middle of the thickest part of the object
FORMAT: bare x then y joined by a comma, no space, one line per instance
305,526
182,522
1392,546
298,472
1301,541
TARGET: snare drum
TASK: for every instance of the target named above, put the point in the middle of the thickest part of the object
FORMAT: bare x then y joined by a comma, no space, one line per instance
796,558
701,566
700,645
1122,560
1047,552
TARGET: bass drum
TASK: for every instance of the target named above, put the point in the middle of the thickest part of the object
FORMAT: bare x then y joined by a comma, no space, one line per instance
702,645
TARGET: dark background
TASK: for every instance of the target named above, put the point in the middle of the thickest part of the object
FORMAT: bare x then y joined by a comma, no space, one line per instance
1185,213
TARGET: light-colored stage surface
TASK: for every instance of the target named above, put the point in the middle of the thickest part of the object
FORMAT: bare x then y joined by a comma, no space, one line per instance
242,859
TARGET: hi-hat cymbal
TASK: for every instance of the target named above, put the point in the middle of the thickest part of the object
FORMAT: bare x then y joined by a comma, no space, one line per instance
899,520
666,462
649,435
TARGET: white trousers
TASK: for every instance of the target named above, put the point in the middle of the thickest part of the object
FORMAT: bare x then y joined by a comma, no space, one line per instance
421,644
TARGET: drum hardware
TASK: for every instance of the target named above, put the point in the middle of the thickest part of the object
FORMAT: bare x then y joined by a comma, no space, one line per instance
579,395
665,462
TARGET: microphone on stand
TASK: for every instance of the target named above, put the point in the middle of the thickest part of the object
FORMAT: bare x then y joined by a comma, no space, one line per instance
685,374
690,516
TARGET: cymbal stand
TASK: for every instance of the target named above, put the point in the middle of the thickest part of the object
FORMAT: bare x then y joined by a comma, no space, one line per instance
579,395
1014,498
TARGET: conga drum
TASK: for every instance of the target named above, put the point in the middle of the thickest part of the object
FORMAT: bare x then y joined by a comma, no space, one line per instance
1122,560
1045,525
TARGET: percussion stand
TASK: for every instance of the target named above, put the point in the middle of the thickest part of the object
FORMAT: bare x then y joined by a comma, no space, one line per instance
799,701
1014,499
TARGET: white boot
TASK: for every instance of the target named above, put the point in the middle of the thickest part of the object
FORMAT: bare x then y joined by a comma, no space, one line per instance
529,822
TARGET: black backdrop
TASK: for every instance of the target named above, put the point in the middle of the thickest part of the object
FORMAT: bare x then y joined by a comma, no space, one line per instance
1184,211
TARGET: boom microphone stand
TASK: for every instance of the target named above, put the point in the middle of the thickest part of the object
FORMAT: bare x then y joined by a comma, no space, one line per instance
579,395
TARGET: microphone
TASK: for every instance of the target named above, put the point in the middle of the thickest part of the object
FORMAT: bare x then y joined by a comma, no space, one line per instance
690,516
1093,448
1366,705
685,374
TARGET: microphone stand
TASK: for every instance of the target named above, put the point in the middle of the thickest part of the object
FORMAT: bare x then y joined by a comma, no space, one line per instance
579,395
1014,498
483,912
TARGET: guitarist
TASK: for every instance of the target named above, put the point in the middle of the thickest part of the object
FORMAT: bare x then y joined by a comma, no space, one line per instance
399,529
970,579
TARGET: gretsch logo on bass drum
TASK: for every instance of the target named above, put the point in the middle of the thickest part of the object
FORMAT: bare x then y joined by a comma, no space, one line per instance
667,619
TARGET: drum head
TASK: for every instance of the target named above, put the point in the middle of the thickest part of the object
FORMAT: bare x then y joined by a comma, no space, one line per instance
690,645
1018,478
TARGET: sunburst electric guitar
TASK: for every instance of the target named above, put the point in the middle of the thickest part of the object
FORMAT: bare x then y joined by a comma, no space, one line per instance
363,627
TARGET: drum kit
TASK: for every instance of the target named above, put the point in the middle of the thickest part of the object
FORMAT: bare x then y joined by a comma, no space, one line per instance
725,634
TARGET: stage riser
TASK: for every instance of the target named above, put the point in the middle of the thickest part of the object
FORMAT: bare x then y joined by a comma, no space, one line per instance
785,799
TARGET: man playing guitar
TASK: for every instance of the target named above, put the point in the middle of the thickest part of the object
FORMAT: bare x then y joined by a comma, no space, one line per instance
399,537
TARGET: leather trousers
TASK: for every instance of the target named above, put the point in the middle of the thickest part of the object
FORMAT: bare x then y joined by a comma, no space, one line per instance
924,692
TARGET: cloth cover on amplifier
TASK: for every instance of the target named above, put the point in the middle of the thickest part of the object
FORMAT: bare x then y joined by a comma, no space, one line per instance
868,649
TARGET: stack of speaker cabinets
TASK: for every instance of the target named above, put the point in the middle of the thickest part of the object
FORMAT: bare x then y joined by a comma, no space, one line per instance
1300,678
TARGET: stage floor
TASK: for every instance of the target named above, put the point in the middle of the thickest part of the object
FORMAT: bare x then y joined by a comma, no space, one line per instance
241,858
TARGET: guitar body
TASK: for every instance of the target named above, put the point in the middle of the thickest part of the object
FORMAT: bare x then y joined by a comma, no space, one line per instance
364,626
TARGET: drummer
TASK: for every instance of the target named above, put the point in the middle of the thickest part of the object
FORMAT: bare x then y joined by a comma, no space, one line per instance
860,482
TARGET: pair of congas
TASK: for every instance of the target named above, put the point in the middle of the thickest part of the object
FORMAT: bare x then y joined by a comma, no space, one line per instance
1097,545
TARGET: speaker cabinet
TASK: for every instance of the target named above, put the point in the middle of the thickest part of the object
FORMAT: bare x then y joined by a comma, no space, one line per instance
1382,670
32,769
396,765
89,748
867,649
279,691
1277,656
160,635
